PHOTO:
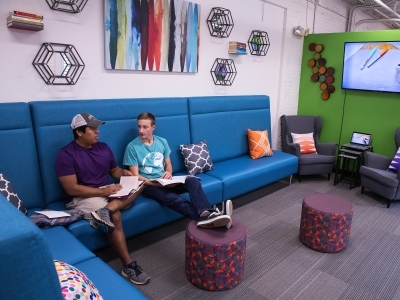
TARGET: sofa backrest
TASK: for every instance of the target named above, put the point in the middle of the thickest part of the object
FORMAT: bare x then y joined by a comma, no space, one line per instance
23,248
52,119
223,122
18,156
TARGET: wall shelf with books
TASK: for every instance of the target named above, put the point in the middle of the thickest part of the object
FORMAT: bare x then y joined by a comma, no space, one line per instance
25,21
237,48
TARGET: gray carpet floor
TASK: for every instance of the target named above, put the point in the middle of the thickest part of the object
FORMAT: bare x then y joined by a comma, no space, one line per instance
278,265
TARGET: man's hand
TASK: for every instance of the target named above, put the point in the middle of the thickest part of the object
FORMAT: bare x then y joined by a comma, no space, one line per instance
126,173
111,189
166,175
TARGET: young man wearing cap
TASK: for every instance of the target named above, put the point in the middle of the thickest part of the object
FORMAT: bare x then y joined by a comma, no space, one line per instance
147,156
82,168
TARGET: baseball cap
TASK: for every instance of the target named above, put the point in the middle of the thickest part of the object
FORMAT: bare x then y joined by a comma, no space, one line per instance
85,119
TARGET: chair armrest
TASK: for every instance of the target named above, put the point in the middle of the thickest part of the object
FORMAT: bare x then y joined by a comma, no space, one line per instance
377,161
292,148
326,148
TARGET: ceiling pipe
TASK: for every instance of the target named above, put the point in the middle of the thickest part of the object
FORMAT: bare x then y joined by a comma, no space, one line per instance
376,21
379,2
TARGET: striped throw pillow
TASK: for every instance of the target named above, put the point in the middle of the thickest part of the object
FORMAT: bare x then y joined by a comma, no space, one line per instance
258,143
395,164
306,142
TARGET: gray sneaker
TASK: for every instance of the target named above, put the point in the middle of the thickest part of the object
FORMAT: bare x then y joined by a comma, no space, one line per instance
215,219
135,273
102,217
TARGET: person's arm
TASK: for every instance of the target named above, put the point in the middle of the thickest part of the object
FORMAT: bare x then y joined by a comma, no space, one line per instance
168,169
135,172
73,189
118,172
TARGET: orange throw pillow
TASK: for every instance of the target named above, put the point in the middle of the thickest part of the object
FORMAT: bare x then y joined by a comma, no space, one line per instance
306,142
258,143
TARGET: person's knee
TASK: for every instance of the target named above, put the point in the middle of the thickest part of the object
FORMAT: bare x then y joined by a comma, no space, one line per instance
116,217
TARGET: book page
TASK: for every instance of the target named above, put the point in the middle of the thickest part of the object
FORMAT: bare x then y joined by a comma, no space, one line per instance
128,183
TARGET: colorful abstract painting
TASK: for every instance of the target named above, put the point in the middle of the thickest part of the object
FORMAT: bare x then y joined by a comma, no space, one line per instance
152,35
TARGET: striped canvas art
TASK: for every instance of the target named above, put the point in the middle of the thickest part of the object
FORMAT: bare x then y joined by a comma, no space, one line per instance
306,142
152,35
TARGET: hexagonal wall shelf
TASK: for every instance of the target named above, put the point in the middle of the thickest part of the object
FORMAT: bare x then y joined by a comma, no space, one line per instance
71,6
258,43
220,22
58,64
223,71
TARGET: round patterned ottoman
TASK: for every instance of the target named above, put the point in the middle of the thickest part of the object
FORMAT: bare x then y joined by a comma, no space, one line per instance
325,222
214,258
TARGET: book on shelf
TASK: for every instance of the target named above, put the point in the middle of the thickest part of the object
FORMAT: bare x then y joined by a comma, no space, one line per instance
173,180
24,19
237,47
24,26
25,14
130,185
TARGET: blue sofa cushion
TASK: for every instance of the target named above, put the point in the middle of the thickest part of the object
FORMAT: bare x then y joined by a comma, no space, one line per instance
108,282
196,157
74,283
7,190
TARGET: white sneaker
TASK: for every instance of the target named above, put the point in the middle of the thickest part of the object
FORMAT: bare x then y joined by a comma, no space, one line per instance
214,219
229,211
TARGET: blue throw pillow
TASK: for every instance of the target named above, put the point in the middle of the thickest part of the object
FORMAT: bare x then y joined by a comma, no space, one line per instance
395,164
197,158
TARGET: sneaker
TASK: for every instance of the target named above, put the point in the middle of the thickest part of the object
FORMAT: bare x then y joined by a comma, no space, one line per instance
102,217
214,219
135,273
228,212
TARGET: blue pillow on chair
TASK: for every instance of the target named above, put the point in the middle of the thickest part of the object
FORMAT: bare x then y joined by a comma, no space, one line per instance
395,164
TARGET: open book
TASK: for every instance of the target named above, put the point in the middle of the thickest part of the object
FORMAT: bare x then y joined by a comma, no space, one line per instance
130,185
174,179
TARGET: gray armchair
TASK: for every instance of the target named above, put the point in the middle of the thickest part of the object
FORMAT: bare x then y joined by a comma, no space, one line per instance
375,176
309,164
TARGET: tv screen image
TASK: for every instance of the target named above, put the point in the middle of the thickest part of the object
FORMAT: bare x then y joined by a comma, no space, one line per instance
371,66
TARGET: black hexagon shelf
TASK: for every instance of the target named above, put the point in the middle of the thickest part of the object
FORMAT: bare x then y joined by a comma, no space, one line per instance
71,6
58,64
223,71
220,22
258,43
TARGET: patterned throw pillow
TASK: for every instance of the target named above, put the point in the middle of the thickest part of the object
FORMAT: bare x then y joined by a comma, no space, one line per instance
7,190
197,158
258,143
306,142
74,283
395,164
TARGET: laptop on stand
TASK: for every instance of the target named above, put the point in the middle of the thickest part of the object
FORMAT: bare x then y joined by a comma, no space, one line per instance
359,141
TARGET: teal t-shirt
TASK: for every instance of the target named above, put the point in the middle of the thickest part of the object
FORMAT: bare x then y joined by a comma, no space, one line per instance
149,159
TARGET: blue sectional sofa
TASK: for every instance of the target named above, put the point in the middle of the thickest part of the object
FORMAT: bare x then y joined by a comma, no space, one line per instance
31,134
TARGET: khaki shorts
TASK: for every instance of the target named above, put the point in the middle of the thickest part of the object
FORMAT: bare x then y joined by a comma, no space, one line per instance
87,205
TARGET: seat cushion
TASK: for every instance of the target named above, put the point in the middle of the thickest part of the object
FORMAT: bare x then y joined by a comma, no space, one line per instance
384,177
311,159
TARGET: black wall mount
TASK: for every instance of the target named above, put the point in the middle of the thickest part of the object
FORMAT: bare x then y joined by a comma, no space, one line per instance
58,64
71,6
220,22
258,43
223,71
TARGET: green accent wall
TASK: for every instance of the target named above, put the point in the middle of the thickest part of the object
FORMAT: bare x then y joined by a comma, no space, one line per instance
349,110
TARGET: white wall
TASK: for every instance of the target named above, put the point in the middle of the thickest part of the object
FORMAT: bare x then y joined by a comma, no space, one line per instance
276,74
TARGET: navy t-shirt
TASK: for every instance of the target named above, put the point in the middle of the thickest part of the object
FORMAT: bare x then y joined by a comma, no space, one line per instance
90,165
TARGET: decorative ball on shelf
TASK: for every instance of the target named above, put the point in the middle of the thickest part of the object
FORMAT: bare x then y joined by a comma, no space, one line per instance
223,71
220,22
258,43
71,6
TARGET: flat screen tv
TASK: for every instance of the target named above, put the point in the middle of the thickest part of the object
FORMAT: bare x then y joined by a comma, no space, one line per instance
371,66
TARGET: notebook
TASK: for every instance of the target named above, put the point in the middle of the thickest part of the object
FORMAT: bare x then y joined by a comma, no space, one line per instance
359,141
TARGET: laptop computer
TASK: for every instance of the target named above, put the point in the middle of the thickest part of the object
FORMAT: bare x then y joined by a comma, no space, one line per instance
359,141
